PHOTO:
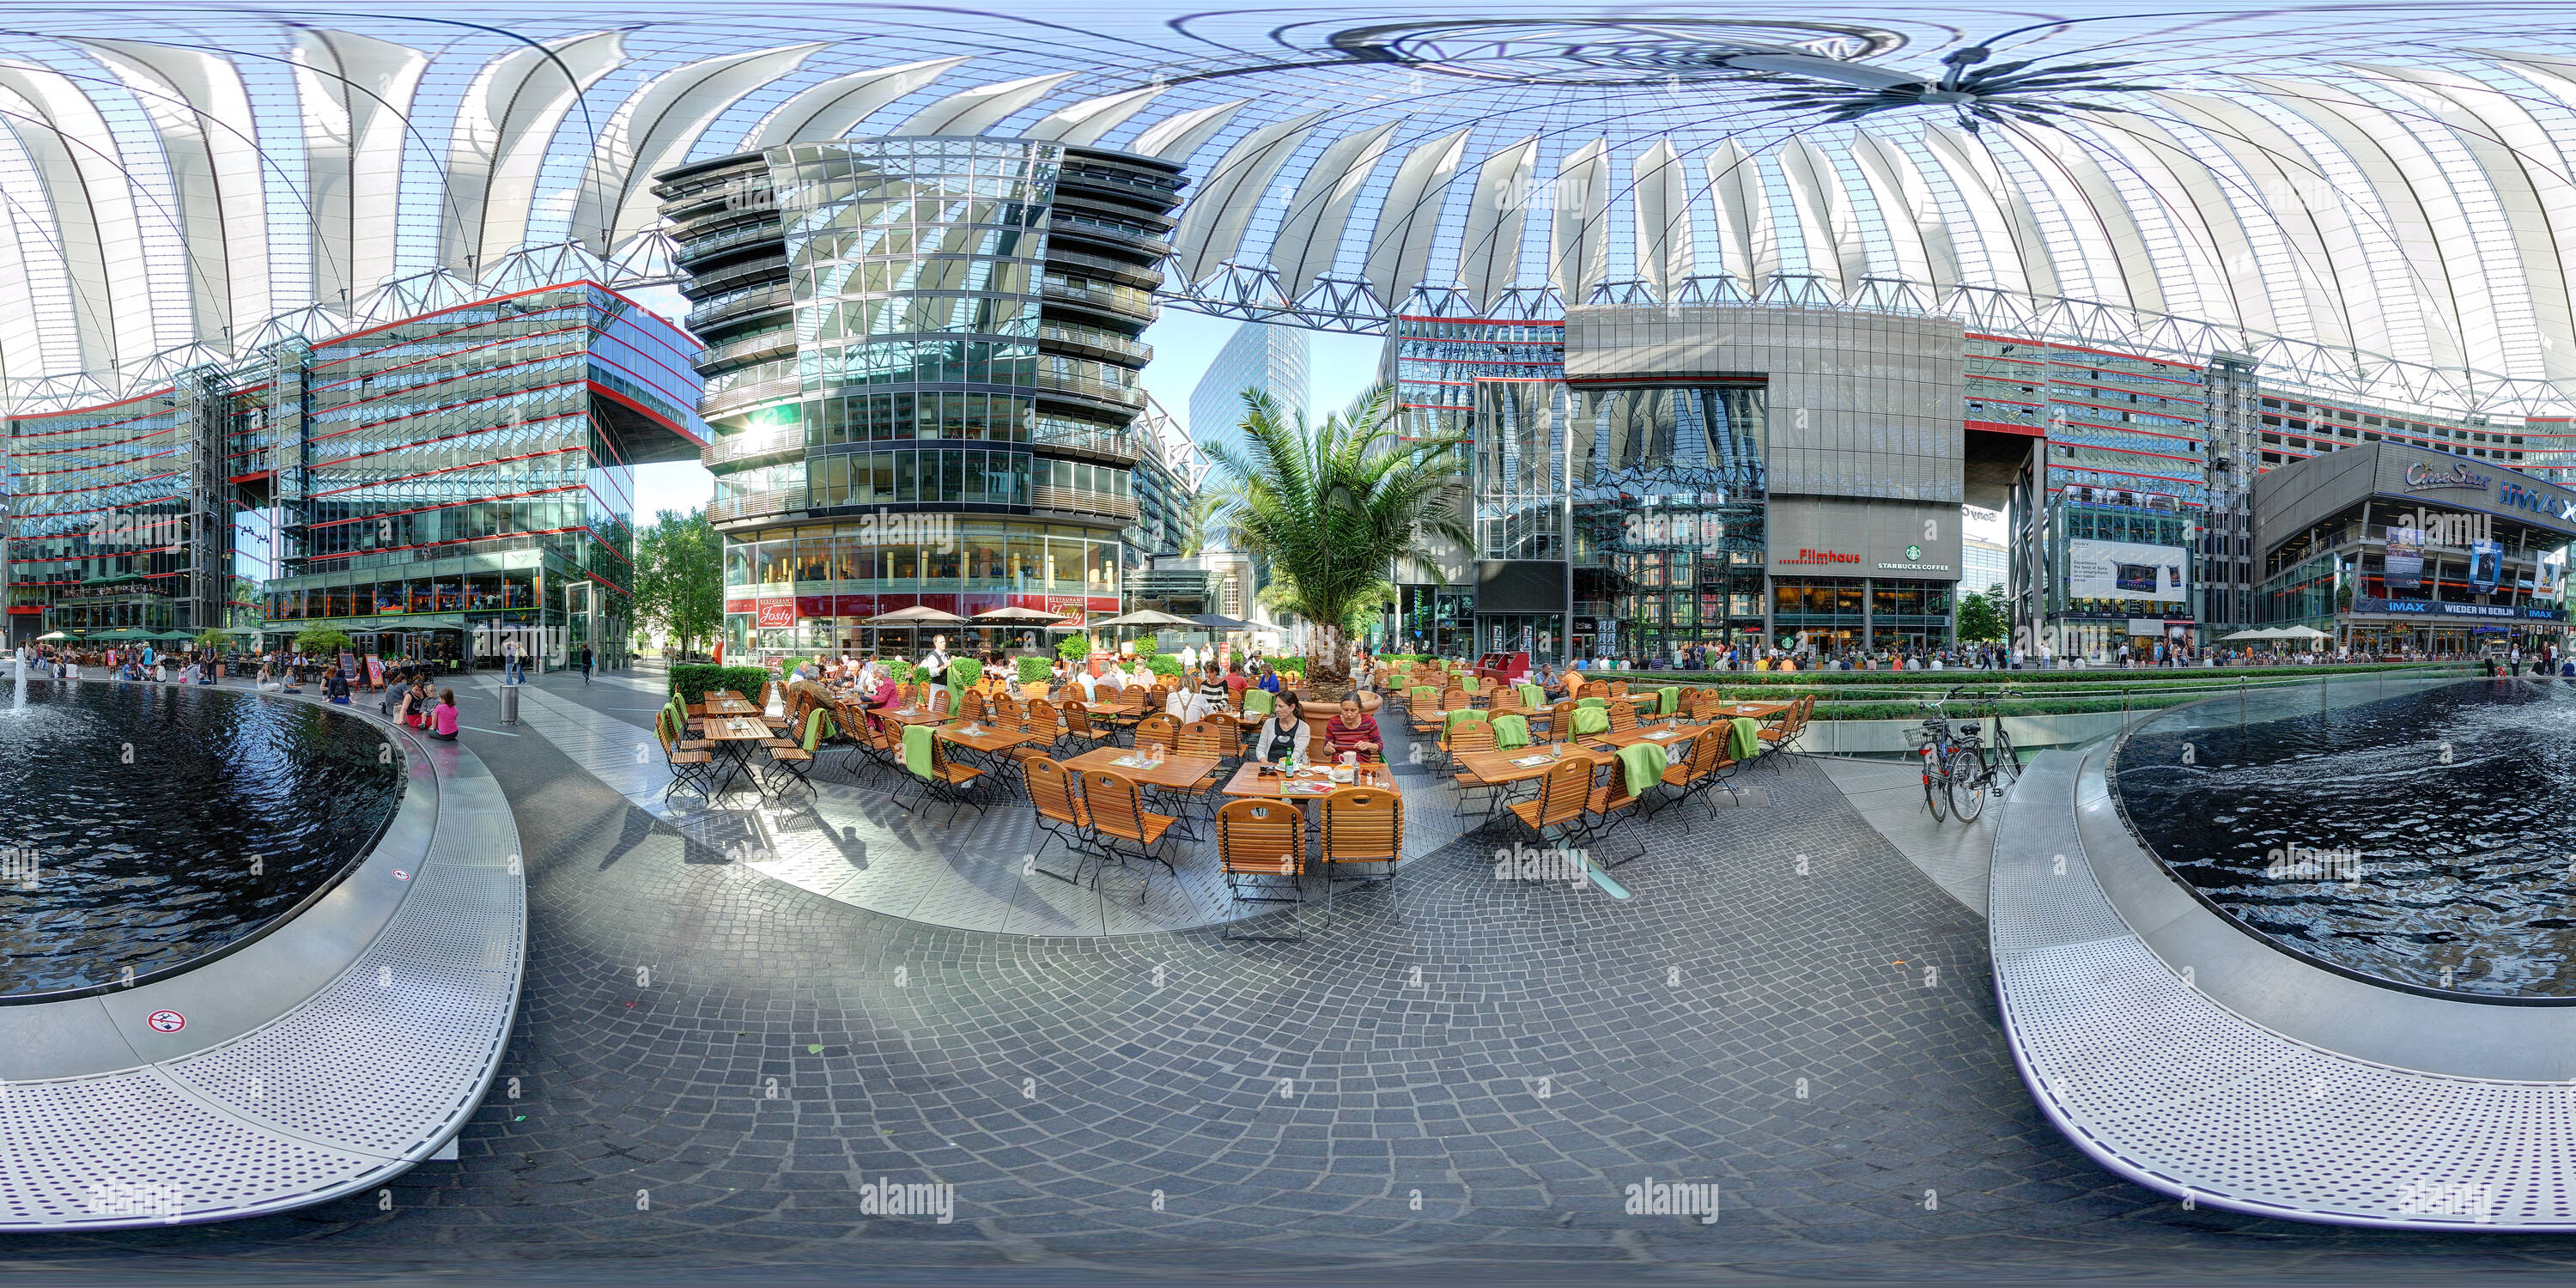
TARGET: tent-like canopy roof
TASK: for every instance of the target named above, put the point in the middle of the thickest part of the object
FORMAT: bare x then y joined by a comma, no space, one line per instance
2379,199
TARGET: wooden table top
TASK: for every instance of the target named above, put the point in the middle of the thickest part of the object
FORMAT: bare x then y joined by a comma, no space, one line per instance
1656,734
730,707
1499,766
987,737
1249,781
912,716
734,729
1753,710
1176,770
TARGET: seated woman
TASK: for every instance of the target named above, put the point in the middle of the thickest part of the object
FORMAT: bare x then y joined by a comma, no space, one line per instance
443,719
1355,731
1282,733
336,687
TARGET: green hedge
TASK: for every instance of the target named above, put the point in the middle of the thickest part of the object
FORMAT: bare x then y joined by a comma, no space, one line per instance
963,673
1074,647
2037,707
1036,670
691,680
2202,677
1163,664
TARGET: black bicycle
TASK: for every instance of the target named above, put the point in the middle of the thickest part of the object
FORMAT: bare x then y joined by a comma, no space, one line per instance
1956,770
2007,758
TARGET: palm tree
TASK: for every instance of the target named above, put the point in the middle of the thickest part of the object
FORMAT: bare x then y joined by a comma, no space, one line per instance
1194,522
1332,506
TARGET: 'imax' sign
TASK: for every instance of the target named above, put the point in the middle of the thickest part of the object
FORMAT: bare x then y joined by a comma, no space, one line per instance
2514,496
2430,608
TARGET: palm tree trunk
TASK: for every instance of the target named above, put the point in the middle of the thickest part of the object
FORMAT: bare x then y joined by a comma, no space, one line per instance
1328,670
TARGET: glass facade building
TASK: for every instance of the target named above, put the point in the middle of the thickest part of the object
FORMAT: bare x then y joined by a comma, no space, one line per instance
921,360
435,479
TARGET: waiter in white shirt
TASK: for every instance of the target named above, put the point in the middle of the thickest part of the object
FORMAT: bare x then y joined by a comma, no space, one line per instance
934,664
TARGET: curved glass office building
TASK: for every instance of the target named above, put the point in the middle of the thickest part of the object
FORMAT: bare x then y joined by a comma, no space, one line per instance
921,360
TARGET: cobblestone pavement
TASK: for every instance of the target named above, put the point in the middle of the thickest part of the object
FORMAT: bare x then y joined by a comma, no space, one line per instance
1456,1078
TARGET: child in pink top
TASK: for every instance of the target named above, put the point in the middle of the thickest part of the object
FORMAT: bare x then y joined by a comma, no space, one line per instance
444,716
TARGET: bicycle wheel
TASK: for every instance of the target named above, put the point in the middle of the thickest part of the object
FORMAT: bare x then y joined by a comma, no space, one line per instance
1936,784
2007,760
1969,777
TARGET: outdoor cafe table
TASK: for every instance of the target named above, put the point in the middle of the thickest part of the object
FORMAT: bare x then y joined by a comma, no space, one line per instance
1660,735
1177,772
988,740
1751,710
736,736
912,715
1505,767
1249,781
730,706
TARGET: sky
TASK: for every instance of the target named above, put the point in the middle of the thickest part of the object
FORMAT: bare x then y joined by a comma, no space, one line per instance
1340,367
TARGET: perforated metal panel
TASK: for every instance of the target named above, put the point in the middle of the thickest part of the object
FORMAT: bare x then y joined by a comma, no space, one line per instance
346,1089
2164,1086
128,1149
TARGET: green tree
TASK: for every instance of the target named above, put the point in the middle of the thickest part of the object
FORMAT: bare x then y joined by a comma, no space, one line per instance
679,578
1195,519
1984,616
323,641
1332,507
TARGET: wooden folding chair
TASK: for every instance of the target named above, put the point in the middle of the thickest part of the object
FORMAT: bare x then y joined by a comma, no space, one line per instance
1061,815
1260,844
1120,823
1562,795
693,769
951,781
1361,825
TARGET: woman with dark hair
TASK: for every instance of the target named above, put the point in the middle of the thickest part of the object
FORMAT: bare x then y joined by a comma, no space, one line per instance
443,719
1355,731
1284,732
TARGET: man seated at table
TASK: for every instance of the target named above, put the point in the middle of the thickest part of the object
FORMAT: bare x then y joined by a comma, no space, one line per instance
806,683
1355,731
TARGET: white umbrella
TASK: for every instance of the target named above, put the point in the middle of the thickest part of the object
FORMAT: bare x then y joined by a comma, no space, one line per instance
2243,636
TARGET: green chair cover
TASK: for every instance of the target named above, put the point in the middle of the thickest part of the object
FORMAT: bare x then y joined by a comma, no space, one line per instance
1591,720
1644,764
916,749
1596,704
1450,720
816,721
1258,701
1511,732
1424,692
1672,697
1532,696
1746,741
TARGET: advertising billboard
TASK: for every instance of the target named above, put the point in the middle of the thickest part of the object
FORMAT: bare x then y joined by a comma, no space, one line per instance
2405,558
2122,570
2551,585
2486,563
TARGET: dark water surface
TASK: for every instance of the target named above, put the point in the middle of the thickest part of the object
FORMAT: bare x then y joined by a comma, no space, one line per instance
142,807
2433,833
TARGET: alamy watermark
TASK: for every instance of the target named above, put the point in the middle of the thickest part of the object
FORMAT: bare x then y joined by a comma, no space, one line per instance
136,532
1706,531
886,1196
1533,863
18,868
151,1199
934,531
2299,863
2465,1200
1652,1197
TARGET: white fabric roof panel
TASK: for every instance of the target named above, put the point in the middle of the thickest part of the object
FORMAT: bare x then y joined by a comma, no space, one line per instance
2395,184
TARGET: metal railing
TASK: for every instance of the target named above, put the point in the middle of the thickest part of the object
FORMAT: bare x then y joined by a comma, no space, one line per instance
1094,338
1123,299
750,299
776,341
1123,395
773,501
739,396
1081,262
742,447
1067,500
753,231
1048,432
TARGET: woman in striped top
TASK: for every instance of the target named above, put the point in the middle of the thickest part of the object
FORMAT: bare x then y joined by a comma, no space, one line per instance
1212,687
1353,730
